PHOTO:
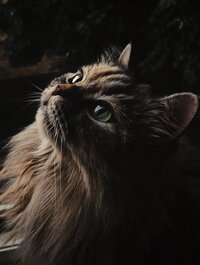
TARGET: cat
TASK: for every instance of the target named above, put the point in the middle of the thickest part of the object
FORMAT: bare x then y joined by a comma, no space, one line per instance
106,174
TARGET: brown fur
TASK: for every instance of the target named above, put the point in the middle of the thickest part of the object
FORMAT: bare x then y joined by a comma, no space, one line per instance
75,183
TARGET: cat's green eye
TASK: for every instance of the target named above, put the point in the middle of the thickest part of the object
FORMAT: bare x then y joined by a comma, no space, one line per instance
75,79
101,113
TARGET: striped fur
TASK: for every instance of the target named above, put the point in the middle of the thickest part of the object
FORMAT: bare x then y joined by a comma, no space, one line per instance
84,192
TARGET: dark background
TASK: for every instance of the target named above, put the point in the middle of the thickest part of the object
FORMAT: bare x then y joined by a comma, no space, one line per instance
165,36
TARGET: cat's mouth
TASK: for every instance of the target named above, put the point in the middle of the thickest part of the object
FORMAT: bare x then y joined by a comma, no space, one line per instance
50,94
50,116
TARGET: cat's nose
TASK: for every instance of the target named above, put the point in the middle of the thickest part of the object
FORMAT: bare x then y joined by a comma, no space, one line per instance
61,90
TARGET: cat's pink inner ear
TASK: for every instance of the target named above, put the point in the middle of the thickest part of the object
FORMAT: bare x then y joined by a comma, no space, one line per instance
124,57
183,107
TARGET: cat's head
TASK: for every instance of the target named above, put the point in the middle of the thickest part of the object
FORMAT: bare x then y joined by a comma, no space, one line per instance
100,109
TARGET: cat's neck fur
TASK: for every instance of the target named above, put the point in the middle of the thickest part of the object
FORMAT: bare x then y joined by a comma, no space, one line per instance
82,202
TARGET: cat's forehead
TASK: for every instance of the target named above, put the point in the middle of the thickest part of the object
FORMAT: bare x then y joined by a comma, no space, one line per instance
103,74
90,72
101,68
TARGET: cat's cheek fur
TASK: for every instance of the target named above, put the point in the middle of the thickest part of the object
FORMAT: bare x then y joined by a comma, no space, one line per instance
41,123
46,95
50,122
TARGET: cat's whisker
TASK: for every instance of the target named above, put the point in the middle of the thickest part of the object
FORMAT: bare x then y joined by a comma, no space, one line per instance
60,177
50,127
31,101
56,135
65,125
39,88
34,95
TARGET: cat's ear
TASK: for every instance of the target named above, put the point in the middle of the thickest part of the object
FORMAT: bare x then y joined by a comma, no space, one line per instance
183,107
124,57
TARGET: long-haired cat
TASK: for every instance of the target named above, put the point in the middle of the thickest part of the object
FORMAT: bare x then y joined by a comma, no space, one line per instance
106,174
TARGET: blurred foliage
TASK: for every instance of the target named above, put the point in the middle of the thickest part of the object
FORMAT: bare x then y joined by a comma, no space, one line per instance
165,34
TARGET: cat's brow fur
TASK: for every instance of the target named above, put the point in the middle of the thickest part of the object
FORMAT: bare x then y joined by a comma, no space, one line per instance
81,192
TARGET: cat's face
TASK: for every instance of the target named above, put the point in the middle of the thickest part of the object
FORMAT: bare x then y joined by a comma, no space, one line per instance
88,109
99,109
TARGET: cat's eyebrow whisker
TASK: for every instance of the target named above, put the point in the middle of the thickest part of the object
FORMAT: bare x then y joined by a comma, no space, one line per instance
40,89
